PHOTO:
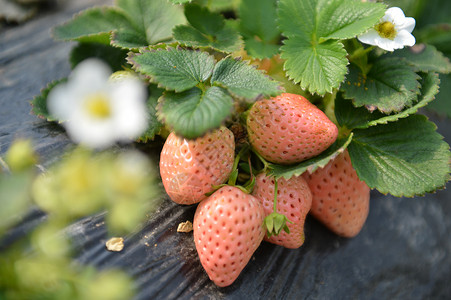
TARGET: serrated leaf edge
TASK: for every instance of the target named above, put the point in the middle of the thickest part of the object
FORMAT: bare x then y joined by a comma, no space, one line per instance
158,47
76,15
373,107
280,88
307,87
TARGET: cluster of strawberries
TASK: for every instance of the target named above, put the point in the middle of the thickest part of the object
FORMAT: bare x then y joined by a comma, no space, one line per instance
230,224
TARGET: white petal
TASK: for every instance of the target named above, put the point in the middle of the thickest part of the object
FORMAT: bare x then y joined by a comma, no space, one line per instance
129,101
94,134
405,38
370,37
409,25
90,75
387,44
60,102
394,15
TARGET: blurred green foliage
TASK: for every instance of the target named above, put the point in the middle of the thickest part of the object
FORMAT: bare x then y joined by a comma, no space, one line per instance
40,265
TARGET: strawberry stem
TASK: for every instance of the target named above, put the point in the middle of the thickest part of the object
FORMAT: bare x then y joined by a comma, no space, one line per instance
265,163
329,106
275,196
276,222
234,175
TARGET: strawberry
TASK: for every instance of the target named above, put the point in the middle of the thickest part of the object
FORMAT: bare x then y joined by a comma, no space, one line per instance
294,200
340,199
190,168
288,129
228,228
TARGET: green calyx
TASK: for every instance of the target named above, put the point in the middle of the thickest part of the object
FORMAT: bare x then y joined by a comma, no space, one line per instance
276,222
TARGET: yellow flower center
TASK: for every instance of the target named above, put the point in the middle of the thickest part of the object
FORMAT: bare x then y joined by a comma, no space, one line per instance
98,106
386,30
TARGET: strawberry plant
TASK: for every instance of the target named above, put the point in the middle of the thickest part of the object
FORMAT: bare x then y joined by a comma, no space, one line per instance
330,91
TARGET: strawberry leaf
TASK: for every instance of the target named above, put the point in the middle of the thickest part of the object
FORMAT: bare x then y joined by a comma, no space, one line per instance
259,28
390,86
114,57
243,80
206,29
133,23
174,68
312,164
359,117
96,23
314,57
152,21
192,113
403,158
424,58
154,125
39,103
334,19
316,67
180,1
441,104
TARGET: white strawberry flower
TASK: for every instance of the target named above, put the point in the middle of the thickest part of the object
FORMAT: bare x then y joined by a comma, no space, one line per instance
96,111
392,32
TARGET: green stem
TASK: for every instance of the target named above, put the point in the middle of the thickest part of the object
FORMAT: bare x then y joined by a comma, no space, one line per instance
329,106
234,175
275,195
360,52
202,87
265,163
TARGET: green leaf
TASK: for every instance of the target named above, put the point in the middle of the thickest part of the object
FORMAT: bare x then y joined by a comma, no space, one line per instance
335,19
359,117
133,23
180,1
174,69
424,58
260,49
312,164
192,113
94,23
114,57
312,59
390,86
243,80
316,67
154,125
442,105
152,22
438,35
39,103
259,28
206,29
226,40
219,5
403,158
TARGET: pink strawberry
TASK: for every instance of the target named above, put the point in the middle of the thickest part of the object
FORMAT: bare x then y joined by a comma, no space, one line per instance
340,199
294,200
289,129
190,168
228,228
